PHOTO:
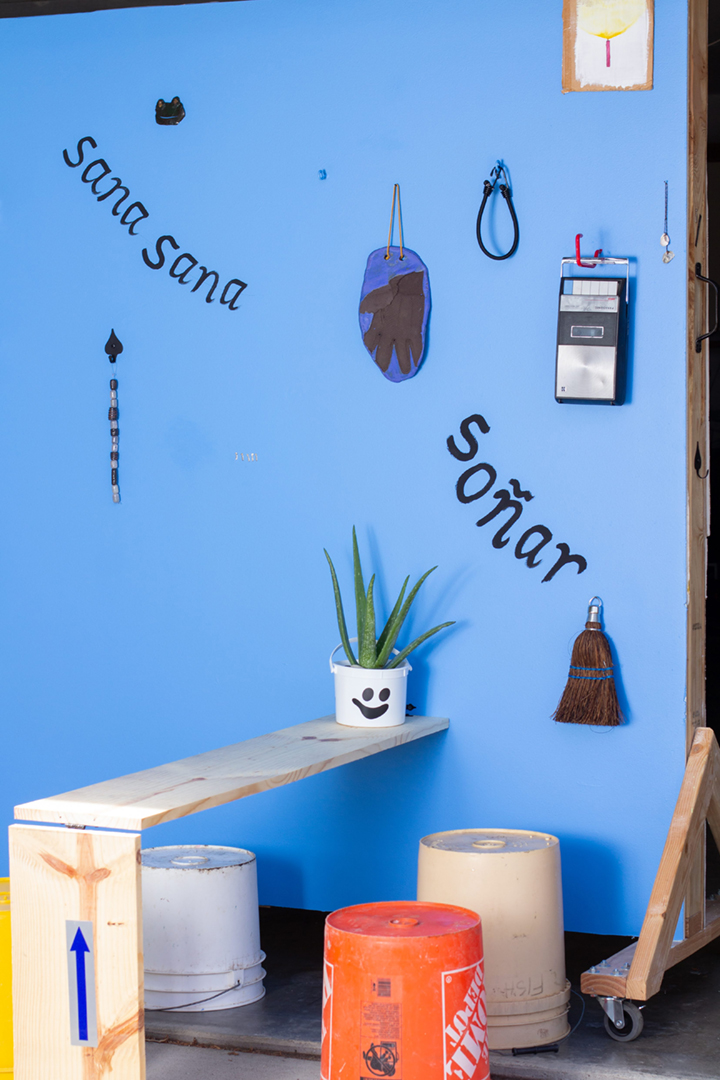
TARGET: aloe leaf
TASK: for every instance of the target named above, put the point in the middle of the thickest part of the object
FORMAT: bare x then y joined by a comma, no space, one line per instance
418,641
340,614
359,590
368,646
399,620
393,615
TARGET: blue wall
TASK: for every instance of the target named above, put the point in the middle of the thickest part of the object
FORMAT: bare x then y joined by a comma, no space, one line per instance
199,611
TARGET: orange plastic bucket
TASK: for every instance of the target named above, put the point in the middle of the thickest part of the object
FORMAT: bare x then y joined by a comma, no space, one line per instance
403,994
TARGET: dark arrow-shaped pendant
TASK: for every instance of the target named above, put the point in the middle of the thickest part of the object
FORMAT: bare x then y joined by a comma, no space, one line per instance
113,347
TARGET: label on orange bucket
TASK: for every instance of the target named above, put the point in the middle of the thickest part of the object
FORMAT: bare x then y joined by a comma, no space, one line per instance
381,1028
326,1034
465,1023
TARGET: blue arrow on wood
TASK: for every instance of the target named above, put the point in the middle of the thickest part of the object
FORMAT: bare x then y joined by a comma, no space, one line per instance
80,947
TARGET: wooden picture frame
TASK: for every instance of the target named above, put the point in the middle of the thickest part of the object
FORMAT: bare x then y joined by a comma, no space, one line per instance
607,47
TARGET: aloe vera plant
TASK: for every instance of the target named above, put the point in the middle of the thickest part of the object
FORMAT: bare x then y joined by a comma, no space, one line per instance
377,652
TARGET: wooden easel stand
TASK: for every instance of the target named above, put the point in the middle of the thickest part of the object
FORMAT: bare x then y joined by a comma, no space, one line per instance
637,971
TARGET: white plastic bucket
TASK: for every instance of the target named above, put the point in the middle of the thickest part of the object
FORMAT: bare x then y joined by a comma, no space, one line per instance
511,878
201,928
369,697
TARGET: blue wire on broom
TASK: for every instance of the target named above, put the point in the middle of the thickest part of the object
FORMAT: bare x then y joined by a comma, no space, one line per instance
590,696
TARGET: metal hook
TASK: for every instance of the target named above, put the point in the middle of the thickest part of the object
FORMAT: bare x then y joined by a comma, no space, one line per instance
500,168
578,258
698,464
495,172
708,281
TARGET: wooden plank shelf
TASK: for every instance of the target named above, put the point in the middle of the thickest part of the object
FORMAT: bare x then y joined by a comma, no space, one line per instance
196,783
93,876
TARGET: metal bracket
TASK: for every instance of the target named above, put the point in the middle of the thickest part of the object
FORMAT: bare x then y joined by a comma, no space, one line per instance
606,967
612,1006
602,260
711,283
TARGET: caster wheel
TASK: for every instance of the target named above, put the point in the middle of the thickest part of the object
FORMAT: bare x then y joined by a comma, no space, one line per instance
632,1024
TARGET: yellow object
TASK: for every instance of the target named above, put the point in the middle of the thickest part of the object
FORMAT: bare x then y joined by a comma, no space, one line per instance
6,1028
608,18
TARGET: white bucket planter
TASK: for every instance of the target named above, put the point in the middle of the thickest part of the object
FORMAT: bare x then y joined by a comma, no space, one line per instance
369,697
201,928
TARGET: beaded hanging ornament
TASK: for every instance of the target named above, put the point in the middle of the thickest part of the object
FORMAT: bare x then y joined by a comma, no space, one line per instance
113,347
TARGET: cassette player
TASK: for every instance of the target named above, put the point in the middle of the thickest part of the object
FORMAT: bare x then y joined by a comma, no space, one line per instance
592,334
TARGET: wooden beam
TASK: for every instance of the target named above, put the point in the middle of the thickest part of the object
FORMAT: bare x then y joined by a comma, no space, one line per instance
698,491
600,979
682,949
197,783
91,877
14,9
684,839
697,418
638,970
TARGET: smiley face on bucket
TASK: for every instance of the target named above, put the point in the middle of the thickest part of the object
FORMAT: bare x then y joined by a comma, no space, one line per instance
368,712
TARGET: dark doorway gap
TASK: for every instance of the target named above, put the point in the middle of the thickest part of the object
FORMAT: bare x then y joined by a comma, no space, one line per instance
293,941
287,1022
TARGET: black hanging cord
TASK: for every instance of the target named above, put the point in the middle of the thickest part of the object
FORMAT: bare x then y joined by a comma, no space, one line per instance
488,188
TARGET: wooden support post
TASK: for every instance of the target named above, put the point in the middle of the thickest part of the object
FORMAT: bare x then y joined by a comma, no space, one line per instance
698,483
77,875
685,839
638,970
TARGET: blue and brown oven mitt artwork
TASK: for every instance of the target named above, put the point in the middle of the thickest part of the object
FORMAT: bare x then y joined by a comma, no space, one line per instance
394,309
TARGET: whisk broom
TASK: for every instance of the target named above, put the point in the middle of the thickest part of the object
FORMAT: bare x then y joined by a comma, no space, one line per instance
590,696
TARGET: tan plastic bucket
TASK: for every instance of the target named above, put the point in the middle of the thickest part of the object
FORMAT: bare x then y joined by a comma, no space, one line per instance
512,879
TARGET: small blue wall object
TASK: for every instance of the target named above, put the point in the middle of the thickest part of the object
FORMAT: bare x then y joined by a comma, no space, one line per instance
255,432
394,310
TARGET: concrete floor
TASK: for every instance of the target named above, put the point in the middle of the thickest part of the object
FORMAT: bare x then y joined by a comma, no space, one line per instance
681,1039
166,1062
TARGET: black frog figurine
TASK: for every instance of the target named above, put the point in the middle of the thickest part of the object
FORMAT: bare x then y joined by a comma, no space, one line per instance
169,112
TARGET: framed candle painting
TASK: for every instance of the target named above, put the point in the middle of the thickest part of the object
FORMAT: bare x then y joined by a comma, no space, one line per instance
607,45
